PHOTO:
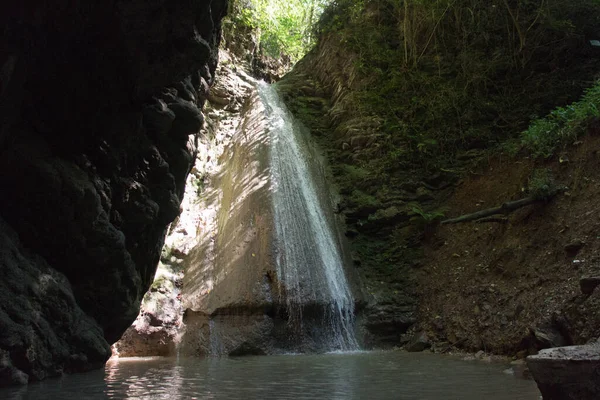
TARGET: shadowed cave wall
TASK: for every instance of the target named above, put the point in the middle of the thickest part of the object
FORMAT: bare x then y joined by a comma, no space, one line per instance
100,105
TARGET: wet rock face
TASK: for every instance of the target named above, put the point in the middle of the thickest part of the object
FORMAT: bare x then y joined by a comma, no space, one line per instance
100,105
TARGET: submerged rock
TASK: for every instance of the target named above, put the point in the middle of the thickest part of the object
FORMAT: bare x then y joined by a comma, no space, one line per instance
247,349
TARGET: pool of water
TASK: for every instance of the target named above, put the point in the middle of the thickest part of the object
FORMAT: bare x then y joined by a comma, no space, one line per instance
368,375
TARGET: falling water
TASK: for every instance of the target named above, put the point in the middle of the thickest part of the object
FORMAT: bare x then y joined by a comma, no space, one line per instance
308,257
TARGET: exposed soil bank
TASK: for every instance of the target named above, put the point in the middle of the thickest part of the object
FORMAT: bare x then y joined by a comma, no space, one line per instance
513,287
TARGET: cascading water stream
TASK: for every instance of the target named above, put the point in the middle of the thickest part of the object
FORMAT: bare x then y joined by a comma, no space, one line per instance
308,257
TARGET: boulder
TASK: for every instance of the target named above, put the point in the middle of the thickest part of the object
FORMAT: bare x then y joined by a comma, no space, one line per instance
588,284
573,247
387,322
549,336
567,373
419,342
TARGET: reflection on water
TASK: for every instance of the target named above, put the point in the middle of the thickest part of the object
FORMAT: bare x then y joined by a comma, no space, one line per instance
375,375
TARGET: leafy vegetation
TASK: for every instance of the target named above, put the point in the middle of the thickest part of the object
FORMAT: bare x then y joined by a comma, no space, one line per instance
424,217
446,76
563,125
541,185
426,86
285,28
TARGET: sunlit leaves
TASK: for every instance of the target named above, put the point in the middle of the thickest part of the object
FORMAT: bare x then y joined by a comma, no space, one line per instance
285,27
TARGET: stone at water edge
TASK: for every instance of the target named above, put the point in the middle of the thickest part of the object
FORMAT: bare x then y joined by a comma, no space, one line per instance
549,336
567,373
588,284
419,342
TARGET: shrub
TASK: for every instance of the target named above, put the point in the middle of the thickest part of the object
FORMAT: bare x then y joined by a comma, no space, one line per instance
541,184
563,125
446,76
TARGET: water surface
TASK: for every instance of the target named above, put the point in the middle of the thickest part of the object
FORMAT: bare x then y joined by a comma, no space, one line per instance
369,376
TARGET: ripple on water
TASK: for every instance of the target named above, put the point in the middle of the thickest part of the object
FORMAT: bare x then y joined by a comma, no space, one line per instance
359,375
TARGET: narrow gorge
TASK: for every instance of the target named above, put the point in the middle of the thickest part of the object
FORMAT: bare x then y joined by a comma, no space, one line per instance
365,199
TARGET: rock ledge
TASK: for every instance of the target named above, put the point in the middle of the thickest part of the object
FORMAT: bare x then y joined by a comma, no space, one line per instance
565,373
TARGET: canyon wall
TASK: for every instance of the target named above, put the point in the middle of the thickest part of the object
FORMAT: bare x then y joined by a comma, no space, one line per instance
100,106
406,110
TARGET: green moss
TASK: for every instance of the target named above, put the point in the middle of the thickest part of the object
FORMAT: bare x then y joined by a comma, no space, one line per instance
359,199
429,85
354,173
161,281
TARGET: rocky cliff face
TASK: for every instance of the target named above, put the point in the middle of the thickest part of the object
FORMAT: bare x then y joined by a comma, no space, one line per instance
159,327
235,294
217,290
100,109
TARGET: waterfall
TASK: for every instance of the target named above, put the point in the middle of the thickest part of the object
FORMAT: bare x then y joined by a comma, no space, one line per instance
308,256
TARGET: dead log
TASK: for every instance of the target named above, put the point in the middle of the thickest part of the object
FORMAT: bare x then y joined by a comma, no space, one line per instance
503,209
493,218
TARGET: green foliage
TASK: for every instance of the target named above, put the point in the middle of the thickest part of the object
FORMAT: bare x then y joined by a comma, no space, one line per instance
447,76
563,125
541,184
360,199
285,27
165,254
355,173
199,184
422,217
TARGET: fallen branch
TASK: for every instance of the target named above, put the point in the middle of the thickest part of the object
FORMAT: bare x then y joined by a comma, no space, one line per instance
493,218
441,187
505,208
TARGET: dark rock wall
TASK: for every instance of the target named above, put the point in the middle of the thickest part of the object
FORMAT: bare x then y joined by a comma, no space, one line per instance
100,105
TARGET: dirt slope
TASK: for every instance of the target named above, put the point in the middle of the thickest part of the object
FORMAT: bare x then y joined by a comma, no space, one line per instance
514,287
